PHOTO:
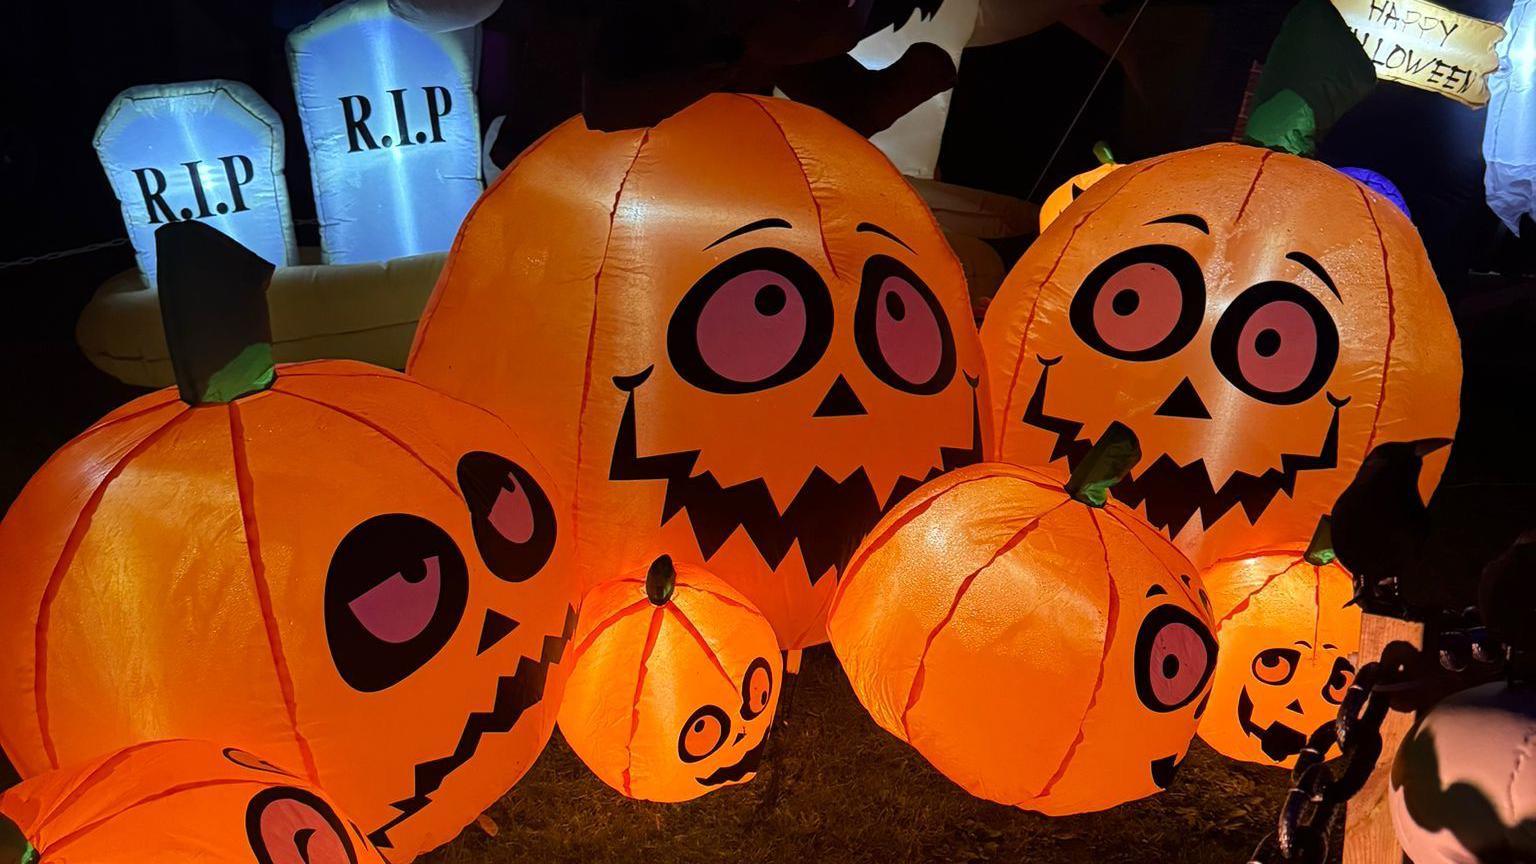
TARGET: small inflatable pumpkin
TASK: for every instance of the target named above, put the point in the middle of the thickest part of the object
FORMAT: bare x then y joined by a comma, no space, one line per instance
177,800
1062,196
750,339
1289,643
1042,648
1265,321
674,686
330,564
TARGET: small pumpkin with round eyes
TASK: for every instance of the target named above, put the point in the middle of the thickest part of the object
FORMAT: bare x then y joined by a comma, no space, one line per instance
674,686
1265,320
177,800
1289,641
328,563
1040,645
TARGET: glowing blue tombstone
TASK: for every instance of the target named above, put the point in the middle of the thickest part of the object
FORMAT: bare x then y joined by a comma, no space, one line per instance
208,150
394,139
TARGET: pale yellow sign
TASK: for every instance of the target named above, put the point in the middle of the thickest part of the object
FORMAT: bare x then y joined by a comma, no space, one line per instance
1426,46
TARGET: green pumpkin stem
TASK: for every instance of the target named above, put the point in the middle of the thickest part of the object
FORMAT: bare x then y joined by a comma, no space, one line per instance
1112,457
660,581
1320,550
1101,153
213,303
15,848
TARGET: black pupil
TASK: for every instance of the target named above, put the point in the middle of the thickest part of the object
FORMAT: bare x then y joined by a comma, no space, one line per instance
414,572
698,725
770,300
1270,661
895,306
1267,343
1125,302
1170,666
1338,681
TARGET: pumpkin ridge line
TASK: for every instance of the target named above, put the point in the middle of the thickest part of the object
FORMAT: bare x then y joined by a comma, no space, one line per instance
193,786
698,637
1386,361
61,567
245,489
1243,604
602,626
651,633
794,154
96,775
1188,594
379,430
1317,610
1243,207
103,425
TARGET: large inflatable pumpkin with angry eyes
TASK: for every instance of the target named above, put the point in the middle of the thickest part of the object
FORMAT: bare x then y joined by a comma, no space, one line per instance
331,565
1260,320
738,336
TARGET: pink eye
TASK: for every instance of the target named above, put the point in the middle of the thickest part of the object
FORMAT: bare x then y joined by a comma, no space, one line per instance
1141,304
1175,655
757,320
512,514
1276,343
399,608
286,825
901,330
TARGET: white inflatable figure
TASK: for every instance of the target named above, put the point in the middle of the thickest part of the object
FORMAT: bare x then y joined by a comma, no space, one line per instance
1509,140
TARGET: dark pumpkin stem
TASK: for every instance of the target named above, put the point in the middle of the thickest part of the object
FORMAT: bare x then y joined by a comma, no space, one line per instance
660,580
213,303
1320,550
1112,457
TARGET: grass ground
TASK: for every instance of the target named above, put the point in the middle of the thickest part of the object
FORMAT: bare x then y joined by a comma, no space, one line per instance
849,792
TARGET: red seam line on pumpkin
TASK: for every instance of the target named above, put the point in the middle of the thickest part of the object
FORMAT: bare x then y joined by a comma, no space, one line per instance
916,690
1261,553
103,425
382,432
1386,360
634,716
245,487
826,248
1248,598
721,597
1317,608
97,774
699,638
603,625
1188,594
78,833
586,368
1252,186
1111,620
55,579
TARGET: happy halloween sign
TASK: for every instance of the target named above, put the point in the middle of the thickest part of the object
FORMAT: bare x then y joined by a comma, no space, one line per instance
1426,46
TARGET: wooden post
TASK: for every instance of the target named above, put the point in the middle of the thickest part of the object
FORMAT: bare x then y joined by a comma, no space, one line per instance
1368,836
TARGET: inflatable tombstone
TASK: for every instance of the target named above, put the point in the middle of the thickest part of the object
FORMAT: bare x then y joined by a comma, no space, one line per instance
206,150
389,118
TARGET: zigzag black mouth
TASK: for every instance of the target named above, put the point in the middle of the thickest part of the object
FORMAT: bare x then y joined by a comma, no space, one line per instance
1278,741
732,773
828,517
1174,493
515,694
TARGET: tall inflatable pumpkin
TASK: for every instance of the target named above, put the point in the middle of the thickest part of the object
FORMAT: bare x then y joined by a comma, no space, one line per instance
331,565
1260,320
178,801
738,336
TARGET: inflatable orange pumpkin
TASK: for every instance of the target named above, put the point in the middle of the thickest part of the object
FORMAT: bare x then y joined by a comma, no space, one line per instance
1260,320
674,684
1062,196
1289,644
178,800
335,566
738,336
1041,648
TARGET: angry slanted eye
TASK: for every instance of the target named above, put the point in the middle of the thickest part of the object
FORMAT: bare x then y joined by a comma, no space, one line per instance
1277,343
1141,304
1339,679
1276,666
756,689
1174,658
703,734
901,330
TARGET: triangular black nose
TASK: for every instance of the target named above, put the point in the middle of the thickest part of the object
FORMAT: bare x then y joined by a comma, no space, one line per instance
840,401
1295,706
1184,402
495,628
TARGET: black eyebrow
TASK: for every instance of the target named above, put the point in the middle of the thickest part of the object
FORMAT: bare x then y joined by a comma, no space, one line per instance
1310,263
1330,646
1303,643
1189,219
752,226
872,228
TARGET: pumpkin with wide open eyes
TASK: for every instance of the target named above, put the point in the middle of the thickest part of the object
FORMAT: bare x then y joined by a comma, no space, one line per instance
174,801
674,684
333,565
1040,646
1261,321
750,339
1289,640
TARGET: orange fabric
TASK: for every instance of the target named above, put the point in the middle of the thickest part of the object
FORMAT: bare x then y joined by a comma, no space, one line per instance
699,675
1289,651
168,571
563,296
1038,651
182,800
1062,196
1232,412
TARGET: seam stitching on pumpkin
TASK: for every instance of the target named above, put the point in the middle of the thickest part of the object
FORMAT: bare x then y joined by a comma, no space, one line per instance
1242,605
699,638
102,426
71,546
915,692
651,633
96,775
1243,207
602,627
1386,361
1317,610
794,154
1110,622
245,488
1188,594
53,848
382,432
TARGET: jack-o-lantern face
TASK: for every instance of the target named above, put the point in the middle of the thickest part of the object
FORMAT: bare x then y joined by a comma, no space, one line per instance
1259,320
1289,645
674,685
751,340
